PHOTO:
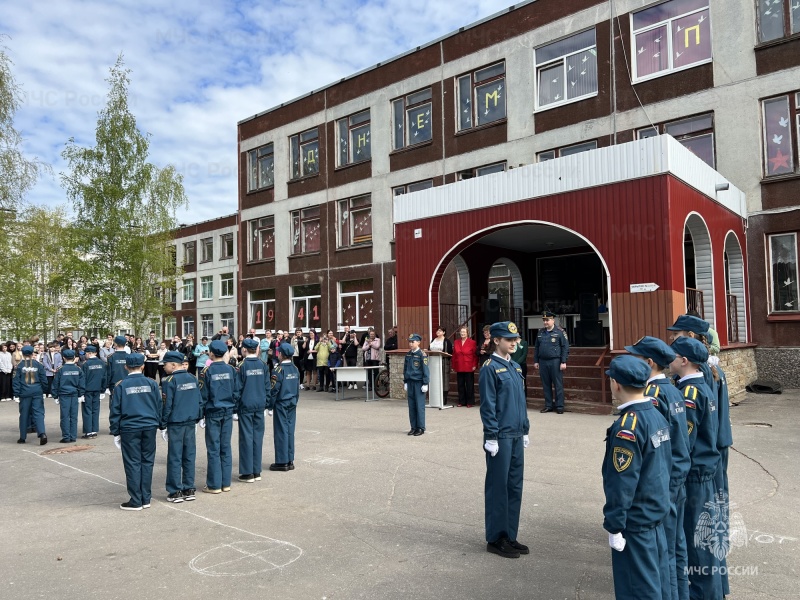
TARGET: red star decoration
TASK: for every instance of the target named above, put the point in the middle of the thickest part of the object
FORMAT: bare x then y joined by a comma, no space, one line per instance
780,160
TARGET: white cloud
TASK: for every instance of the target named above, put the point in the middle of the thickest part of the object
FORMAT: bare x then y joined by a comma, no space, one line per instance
197,72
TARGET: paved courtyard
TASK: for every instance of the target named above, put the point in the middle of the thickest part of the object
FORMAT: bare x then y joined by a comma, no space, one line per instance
368,513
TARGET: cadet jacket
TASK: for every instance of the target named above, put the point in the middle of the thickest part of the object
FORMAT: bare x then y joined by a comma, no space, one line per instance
503,409
69,381
253,383
116,369
636,469
30,380
96,373
182,402
135,404
285,385
219,387
668,401
703,425
551,344
724,434
415,367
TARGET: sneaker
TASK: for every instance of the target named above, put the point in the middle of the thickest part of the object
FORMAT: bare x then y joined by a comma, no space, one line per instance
302,387
355,386
86,436
93,434
129,506
146,505
176,497
349,386
247,478
257,476
188,495
209,490
226,488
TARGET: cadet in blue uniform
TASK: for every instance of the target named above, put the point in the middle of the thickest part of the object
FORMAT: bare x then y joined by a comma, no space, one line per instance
29,383
703,425
550,356
669,402
181,411
116,366
95,373
253,379
219,386
416,378
283,397
135,417
636,472
69,385
505,435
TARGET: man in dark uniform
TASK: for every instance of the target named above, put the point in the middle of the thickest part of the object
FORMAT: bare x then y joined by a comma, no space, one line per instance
505,434
116,366
94,370
636,471
253,382
550,357
283,397
416,378
669,402
69,387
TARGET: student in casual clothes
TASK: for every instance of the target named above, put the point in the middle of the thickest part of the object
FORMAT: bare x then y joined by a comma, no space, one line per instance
323,351
5,374
350,354
51,361
300,345
29,385
372,354
69,387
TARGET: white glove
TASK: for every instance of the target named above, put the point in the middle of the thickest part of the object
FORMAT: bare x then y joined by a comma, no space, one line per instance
616,541
164,435
269,413
202,423
55,400
16,399
44,396
117,442
424,388
525,441
108,392
81,399
713,361
405,387
491,447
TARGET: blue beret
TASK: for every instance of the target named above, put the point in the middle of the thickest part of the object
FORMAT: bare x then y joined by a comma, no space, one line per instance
691,349
415,337
286,349
548,314
134,359
174,357
218,348
629,370
91,349
653,348
690,323
504,329
27,350
120,340
68,354
250,344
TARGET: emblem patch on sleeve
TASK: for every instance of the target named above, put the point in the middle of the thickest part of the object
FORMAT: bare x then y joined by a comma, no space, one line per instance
622,458
690,404
624,434
690,424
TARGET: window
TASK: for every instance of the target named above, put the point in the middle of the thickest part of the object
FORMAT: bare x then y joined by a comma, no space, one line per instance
173,253
355,221
780,120
171,294
566,151
669,37
207,325
566,70
226,320
226,285
306,307
482,97
226,246
305,230
188,326
262,310
783,272
356,303
206,250
262,238
777,19
488,170
413,187
695,133
207,288
189,253
260,168
413,123
305,153
170,327
354,140
188,290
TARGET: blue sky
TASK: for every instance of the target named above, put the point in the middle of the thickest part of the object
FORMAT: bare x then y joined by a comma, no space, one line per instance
197,69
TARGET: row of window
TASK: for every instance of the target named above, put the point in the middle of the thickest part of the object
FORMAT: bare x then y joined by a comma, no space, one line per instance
207,328
783,250
226,288
207,249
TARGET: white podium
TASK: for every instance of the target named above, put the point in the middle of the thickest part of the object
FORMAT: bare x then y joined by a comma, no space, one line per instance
436,386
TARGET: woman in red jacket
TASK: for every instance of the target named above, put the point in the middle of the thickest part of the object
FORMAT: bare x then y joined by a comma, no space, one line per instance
464,363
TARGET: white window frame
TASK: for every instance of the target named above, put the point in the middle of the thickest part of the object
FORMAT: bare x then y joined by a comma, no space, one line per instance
346,204
170,327
344,129
264,305
474,96
187,330
188,291
300,142
405,105
207,326
556,152
258,228
425,184
223,279
254,158
770,282
563,59
301,231
342,298
223,242
207,287
203,245
226,321
306,299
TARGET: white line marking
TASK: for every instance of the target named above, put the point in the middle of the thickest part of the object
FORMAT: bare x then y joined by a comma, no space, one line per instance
75,468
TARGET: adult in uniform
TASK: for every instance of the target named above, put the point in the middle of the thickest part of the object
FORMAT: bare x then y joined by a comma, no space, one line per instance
29,384
283,396
94,372
416,377
550,356
253,378
116,365
636,471
505,436
669,402
69,387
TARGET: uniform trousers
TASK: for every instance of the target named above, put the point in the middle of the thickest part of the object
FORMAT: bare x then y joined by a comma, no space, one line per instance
550,370
219,428
283,423
705,582
31,409
181,456
138,456
676,540
68,406
641,570
721,485
416,405
251,441
503,489
90,411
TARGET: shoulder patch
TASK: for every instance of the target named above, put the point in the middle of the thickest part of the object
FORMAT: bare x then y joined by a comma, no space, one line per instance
120,381
425,360
630,419
652,390
690,393
622,458
487,362
624,434
502,370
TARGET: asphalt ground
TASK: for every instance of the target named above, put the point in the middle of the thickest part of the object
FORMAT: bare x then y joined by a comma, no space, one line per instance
368,513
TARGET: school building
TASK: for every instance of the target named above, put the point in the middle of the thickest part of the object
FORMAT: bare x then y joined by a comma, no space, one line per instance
616,162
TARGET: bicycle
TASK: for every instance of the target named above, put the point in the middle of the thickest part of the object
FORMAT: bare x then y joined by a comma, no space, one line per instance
382,382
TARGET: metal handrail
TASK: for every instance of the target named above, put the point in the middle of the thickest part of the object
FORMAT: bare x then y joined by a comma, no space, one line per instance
599,364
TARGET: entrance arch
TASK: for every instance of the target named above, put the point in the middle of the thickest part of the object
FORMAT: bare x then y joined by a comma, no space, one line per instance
736,303
698,268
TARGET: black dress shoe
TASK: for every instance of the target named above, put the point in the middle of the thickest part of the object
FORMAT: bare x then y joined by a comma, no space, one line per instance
42,440
63,441
86,436
521,548
419,432
291,465
411,431
546,409
20,441
31,429
279,467
502,548
559,411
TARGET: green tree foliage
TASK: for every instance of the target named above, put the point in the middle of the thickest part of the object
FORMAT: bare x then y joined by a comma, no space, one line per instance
125,209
